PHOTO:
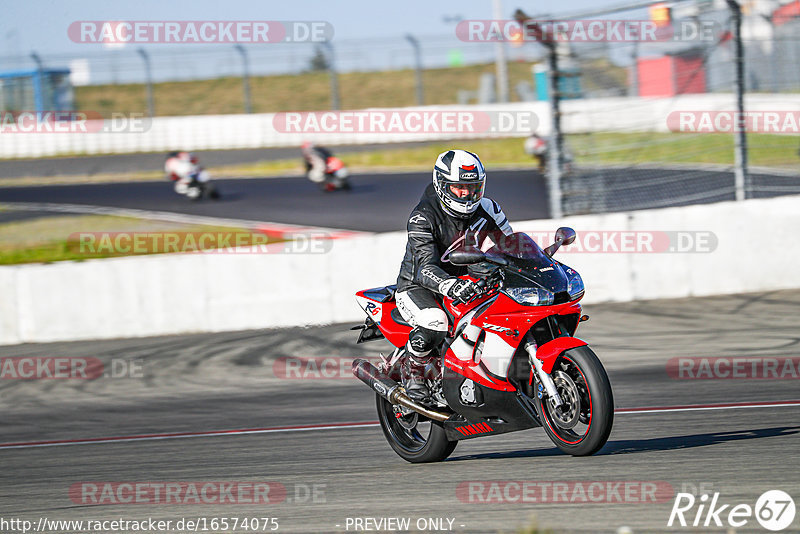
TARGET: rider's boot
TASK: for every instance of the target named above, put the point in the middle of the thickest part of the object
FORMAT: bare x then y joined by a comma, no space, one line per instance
413,369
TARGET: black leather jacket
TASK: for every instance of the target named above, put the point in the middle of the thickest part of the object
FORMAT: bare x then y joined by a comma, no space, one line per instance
431,230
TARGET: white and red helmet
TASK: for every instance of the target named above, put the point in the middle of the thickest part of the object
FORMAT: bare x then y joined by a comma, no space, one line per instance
461,168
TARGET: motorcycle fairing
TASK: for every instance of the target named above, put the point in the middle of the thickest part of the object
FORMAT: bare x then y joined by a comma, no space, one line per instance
550,351
493,411
379,303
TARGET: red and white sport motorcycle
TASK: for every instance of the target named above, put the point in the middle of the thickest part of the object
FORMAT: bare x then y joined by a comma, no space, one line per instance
510,360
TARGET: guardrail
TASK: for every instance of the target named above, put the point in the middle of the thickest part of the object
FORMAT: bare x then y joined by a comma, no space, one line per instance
736,247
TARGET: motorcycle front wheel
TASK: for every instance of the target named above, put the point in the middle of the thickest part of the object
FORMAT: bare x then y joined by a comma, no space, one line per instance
413,437
582,424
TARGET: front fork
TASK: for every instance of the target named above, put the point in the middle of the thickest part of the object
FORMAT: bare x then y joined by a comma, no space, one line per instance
544,377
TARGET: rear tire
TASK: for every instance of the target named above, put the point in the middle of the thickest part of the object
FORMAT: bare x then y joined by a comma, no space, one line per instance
594,406
411,444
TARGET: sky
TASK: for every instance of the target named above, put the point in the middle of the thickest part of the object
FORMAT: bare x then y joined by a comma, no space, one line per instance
367,35
41,24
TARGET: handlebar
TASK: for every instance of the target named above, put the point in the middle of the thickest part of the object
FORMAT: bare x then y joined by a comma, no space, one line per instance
483,289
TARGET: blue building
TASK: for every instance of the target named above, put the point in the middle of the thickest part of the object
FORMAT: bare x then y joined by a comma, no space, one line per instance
36,90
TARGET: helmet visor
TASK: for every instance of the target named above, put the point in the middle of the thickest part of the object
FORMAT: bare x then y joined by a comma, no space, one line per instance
464,192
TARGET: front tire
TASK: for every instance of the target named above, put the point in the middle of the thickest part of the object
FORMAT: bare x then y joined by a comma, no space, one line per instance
417,442
581,426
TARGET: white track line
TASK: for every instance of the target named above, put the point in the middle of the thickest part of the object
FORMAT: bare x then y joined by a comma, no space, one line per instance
168,216
362,424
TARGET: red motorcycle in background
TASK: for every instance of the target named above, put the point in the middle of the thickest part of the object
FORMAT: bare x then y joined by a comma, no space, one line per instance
509,362
325,169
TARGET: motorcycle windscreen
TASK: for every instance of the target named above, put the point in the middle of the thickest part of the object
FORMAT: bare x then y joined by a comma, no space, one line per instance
523,253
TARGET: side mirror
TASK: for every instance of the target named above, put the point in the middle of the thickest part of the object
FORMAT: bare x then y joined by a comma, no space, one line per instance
466,256
564,236
495,259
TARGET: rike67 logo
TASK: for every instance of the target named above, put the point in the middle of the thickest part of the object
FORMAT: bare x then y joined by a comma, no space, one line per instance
774,510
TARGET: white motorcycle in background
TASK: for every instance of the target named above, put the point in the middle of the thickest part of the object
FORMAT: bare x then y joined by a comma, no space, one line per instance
191,180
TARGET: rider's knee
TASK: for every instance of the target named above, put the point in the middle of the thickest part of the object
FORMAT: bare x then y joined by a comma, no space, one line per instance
423,340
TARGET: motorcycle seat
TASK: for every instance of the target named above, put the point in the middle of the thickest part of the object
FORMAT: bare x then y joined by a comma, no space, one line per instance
381,294
396,317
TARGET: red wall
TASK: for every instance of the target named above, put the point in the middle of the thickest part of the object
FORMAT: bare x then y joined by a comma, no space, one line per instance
671,75
655,77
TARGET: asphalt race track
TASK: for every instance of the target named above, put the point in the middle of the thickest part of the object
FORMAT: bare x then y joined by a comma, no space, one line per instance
216,382
377,203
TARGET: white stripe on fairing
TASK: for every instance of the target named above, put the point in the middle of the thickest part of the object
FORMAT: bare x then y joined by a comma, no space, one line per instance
362,424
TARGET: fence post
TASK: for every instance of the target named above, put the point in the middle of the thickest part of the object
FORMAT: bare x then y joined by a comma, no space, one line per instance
334,76
556,138
248,108
38,84
417,67
151,109
501,66
556,144
740,156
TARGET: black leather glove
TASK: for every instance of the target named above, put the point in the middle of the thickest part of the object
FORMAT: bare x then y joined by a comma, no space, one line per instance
458,289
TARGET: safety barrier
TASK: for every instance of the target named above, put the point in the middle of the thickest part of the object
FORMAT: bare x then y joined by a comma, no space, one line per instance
730,248
206,132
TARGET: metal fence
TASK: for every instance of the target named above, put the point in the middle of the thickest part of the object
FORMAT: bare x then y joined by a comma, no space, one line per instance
693,162
589,171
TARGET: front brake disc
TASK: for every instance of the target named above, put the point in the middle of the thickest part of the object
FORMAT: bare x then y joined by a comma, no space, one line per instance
568,414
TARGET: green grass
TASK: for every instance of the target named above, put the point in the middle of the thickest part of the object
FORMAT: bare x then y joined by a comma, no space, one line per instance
636,148
311,91
589,149
62,238
776,151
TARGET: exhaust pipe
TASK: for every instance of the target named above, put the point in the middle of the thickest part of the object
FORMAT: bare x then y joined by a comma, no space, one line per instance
391,390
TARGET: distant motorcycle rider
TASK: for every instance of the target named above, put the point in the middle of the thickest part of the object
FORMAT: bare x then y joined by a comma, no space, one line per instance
323,168
316,158
452,212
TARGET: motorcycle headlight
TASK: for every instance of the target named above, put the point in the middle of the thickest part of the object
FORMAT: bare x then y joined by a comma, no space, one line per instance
575,288
530,296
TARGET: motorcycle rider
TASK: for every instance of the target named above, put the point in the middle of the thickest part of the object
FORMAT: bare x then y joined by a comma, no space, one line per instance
182,168
452,213
536,146
318,162
316,158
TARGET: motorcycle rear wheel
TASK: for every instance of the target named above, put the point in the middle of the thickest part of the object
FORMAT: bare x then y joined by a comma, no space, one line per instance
425,442
581,426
